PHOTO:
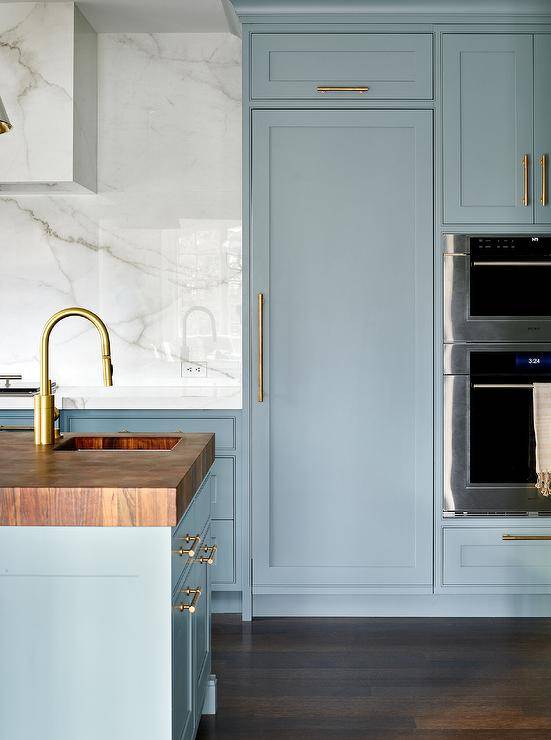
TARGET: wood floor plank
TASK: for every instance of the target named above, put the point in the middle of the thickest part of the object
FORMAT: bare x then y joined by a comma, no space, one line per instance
311,679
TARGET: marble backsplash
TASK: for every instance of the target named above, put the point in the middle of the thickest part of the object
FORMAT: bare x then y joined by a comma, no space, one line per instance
157,252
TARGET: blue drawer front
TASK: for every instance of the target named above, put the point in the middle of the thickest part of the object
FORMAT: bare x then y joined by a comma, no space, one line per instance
293,66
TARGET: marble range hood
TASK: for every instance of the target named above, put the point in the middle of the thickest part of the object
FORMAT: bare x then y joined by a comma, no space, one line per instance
48,56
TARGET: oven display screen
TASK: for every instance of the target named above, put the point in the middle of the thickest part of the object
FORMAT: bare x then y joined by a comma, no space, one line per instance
533,361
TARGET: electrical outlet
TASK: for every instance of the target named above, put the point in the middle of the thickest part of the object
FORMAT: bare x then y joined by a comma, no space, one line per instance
194,369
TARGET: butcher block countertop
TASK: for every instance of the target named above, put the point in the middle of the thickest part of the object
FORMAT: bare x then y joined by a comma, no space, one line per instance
73,484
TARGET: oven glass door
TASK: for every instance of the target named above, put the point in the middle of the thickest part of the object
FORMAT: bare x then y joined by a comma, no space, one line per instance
502,441
509,288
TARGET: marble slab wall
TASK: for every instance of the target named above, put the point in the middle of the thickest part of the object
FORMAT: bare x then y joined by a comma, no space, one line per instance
157,252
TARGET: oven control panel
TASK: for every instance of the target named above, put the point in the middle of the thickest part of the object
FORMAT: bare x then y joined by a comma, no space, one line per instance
503,246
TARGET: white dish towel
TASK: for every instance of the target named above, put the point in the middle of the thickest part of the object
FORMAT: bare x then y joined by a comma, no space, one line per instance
542,427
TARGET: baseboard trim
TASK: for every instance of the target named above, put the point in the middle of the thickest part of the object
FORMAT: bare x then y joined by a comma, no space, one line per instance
405,605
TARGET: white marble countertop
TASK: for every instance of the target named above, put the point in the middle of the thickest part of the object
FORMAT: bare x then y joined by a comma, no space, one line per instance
163,397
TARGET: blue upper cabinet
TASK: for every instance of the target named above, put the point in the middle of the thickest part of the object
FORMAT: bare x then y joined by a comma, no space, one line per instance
542,125
342,66
487,128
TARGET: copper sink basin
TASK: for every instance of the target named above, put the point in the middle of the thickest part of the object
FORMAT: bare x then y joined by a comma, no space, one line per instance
114,443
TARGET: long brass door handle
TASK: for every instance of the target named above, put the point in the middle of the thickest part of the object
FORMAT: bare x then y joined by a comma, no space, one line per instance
260,394
526,168
192,607
513,537
543,165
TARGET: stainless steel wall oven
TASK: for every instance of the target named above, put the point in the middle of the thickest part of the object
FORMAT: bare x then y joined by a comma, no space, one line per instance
497,288
489,444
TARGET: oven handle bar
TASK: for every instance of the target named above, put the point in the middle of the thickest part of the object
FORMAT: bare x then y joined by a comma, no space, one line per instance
511,263
502,385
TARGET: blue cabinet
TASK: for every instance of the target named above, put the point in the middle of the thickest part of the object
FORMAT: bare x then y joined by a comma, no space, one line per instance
191,610
542,125
225,473
487,120
342,442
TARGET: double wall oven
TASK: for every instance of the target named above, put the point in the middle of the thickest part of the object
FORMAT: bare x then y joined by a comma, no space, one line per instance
497,343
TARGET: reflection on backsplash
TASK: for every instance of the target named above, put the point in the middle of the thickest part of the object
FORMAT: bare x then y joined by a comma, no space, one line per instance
174,297
157,252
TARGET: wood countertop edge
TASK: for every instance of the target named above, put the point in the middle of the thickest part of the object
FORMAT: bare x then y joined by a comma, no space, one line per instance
104,506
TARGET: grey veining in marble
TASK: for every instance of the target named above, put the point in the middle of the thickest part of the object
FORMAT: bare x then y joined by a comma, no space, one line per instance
157,252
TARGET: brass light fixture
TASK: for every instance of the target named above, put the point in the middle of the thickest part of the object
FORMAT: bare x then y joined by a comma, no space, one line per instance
5,124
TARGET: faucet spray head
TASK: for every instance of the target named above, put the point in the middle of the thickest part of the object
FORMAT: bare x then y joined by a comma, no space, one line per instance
107,370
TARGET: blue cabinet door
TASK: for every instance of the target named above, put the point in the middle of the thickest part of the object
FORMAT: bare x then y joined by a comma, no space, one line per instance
487,128
343,253
542,125
183,680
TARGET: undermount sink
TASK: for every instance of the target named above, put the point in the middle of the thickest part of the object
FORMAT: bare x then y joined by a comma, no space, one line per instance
117,444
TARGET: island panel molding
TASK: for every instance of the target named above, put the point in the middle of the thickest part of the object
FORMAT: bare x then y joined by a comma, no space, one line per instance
48,54
107,488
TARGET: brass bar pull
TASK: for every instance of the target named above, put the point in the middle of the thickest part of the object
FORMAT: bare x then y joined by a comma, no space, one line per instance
191,608
525,165
512,537
514,386
260,347
190,552
543,165
510,263
211,553
331,89
15,428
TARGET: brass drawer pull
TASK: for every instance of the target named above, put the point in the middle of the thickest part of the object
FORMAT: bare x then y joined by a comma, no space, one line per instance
525,165
543,165
190,552
331,89
533,537
211,553
191,608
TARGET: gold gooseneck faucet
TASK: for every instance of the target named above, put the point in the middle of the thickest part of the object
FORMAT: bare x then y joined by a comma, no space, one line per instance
45,412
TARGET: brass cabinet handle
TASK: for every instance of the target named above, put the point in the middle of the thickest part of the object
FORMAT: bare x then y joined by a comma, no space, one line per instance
260,347
331,89
189,607
543,165
211,552
525,165
512,537
190,552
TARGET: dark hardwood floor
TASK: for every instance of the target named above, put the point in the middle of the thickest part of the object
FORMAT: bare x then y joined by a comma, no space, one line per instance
309,679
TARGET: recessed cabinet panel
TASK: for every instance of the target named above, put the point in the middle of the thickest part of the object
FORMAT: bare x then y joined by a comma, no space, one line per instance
542,126
487,128
479,556
375,66
182,666
223,482
342,443
223,536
